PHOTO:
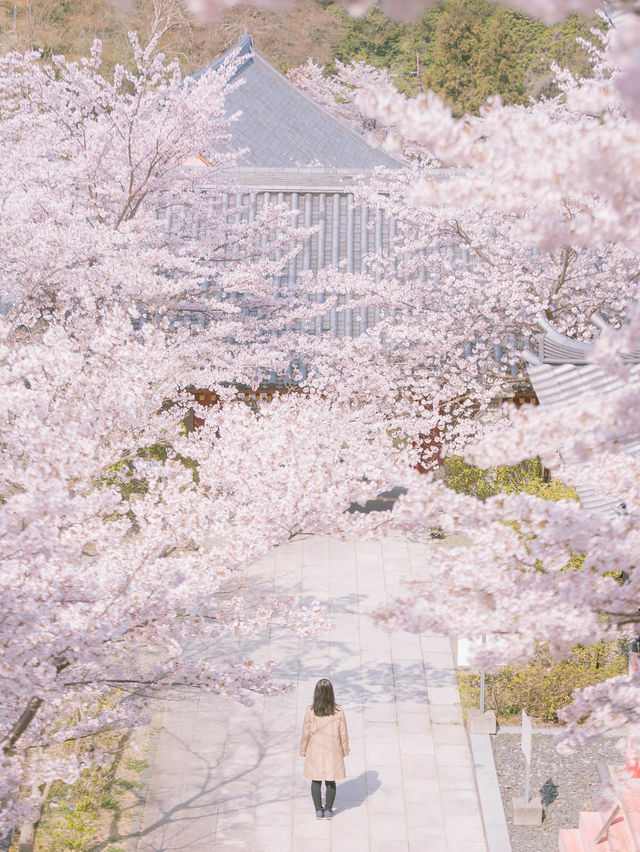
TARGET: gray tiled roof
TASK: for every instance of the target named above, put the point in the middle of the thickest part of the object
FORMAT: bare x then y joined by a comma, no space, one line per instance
561,374
283,127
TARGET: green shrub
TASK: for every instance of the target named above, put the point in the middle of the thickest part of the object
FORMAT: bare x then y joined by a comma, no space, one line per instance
136,765
528,477
109,803
544,685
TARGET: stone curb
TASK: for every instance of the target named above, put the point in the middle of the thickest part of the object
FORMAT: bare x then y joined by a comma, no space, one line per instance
516,729
145,778
495,824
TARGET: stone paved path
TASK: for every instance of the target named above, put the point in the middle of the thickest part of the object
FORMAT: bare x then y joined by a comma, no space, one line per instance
227,776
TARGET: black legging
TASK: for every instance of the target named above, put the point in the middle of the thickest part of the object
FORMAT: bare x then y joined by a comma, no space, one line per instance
316,794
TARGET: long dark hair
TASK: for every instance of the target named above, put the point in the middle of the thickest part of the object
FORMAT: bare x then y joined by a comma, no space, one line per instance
324,702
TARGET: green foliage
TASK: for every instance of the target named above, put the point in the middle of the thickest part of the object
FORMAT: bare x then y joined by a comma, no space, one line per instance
156,452
75,827
528,477
469,50
471,54
374,38
136,765
121,473
544,685
95,812
190,463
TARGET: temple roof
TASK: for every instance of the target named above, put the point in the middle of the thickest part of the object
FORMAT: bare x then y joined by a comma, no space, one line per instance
284,128
561,371
561,374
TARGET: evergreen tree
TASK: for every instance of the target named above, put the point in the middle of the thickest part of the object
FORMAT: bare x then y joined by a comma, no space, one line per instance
374,38
469,50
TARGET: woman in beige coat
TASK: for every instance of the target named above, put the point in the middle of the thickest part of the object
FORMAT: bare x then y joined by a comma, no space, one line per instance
324,744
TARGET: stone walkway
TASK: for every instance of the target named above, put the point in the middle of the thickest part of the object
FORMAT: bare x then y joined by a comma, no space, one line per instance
227,776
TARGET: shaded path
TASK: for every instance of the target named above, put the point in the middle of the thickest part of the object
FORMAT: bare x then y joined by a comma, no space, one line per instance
227,776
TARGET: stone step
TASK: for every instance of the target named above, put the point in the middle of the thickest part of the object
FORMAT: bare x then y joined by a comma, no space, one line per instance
620,838
589,826
569,840
621,835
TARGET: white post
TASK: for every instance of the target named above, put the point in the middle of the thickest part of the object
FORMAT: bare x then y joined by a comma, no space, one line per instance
526,750
484,642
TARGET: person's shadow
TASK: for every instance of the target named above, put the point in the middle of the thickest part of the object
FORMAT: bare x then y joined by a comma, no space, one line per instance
352,793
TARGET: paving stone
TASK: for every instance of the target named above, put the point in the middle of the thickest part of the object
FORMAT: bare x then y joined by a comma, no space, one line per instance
385,827
414,722
389,803
278,813
451,734
274,839
350,842
420,841
418,743
386,845
419,766
445,713
427,790
452,754
463,827
385,777
470,846
429,816
443,695
309,844
456,778
379,752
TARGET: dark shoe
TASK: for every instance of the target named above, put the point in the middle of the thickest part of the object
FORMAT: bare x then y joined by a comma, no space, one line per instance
328,813
319,814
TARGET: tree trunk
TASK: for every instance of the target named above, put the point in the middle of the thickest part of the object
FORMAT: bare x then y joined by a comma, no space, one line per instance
27,832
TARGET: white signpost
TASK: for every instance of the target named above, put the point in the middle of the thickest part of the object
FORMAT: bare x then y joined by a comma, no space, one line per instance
527,811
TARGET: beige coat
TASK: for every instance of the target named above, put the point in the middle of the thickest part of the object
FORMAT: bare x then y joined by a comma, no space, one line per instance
325,744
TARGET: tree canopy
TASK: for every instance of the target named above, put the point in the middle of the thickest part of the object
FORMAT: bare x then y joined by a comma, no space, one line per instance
468,50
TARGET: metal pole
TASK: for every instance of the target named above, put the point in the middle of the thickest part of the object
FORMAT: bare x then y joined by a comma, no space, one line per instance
15,17
526,750
484,642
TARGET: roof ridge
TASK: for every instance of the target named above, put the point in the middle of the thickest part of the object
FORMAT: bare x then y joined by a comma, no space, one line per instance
340,122
244,49
280,125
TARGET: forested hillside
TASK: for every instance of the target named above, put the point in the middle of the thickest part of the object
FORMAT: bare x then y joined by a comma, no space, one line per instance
467,49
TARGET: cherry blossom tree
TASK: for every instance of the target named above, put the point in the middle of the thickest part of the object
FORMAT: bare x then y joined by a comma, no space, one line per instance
543,200
524,570
542,212
462,286
461,293
123,534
